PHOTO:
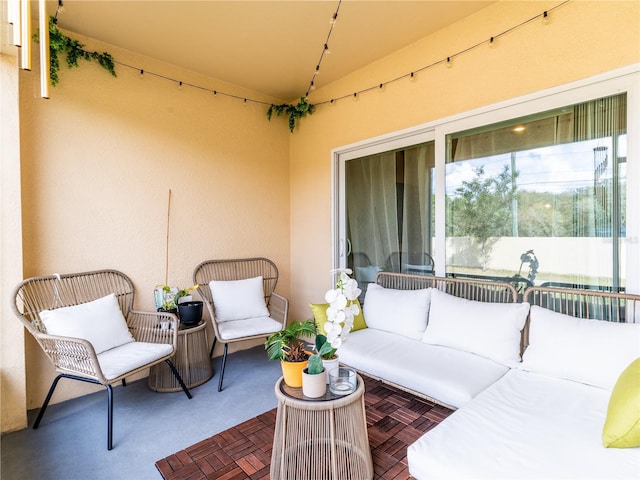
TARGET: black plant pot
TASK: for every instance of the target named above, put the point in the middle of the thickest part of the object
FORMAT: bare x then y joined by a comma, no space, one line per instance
190,313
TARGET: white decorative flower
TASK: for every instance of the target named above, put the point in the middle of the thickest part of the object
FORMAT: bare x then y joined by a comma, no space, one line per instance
341,310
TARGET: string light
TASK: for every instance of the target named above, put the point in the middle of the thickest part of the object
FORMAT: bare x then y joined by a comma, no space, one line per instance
448,60
411,75
325,49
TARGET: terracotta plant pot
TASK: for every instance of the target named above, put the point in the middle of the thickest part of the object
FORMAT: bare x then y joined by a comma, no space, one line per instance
314,386
292,372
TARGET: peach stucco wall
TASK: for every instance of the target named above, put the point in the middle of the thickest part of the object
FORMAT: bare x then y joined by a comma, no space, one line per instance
100,156
583,38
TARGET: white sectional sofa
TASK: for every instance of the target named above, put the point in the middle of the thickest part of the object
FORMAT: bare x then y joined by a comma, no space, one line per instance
536,416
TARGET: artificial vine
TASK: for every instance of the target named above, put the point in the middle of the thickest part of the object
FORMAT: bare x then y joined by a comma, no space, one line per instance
59,42
294,112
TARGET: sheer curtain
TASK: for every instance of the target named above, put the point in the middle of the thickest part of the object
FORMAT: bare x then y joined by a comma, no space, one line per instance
416,212
372,219
389,211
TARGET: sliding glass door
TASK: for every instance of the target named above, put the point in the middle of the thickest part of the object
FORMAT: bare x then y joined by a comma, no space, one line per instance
389,212
541,197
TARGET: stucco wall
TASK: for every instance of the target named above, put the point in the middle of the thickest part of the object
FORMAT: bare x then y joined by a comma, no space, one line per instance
582,38
99,159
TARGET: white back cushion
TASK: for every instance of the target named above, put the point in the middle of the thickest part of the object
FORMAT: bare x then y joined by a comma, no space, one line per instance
238,299
491,330
594,352
100,322
403,312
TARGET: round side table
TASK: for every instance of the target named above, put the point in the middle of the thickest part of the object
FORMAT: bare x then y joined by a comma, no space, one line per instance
191,360
323,438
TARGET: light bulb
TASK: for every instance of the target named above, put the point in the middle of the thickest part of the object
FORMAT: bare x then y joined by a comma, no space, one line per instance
333,19
545,18
492,42
180,86
326,49
141,73
448,62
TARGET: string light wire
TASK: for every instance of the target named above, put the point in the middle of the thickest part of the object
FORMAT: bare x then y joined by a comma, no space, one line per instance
325,51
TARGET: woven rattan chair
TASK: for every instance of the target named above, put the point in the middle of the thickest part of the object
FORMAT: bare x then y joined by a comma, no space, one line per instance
240,269
154,334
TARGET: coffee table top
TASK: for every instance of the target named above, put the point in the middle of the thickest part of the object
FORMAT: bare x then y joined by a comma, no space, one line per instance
294,395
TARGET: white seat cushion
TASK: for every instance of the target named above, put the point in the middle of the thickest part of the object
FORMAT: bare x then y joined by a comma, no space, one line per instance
524,426
450,376
128,357
100,322
247,327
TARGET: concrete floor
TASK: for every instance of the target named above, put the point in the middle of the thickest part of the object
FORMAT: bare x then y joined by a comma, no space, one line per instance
71,442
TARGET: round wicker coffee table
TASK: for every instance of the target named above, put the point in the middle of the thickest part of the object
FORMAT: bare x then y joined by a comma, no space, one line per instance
323,438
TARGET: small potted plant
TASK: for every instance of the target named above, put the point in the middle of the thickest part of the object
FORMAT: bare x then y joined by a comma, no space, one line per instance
179,301
314,377
327,353
287,346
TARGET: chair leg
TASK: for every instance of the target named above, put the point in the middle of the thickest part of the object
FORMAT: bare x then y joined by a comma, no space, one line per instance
179,378
109,417
224,362
54,384
213,345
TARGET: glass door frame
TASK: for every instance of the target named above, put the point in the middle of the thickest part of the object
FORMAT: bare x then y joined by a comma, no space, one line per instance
625,79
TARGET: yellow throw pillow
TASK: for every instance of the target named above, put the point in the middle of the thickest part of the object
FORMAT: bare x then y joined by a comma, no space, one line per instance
319,311
622,425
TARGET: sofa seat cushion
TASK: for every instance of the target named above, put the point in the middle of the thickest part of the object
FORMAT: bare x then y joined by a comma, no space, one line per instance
450,376
248,327
524,426
130,356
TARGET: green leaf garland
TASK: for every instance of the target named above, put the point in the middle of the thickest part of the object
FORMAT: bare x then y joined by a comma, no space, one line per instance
294,112
59,43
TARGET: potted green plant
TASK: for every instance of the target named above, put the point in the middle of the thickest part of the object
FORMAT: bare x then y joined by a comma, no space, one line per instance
286,345
179,301
314,377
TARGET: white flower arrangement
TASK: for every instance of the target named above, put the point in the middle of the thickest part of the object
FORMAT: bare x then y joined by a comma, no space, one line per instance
342,309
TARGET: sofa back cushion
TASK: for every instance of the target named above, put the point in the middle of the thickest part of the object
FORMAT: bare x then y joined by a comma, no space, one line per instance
488,329
403,312
594,352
